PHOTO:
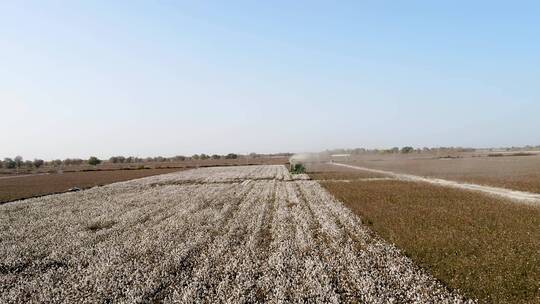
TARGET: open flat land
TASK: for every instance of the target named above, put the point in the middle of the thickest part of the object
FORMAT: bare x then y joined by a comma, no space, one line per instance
19,184
513,172
224,234
484,246
175,164
330,172
25,186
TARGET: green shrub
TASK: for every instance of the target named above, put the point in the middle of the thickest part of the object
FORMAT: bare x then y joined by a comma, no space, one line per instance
231,156
94,161
9,163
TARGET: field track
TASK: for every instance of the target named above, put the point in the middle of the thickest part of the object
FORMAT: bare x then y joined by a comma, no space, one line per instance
521,196
224,234
22,175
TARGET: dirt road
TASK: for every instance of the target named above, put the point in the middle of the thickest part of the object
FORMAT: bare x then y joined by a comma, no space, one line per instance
21,175
521,196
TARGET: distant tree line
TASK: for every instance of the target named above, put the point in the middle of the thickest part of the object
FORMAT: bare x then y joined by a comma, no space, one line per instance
402,150
409,149
177,158
18,162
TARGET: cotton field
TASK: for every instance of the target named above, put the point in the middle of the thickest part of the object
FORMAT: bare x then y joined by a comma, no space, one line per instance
223,234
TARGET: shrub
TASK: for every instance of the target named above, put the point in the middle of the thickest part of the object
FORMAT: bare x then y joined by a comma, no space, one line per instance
406,150
18,161
94,161
9,163
72,161
38,163
231,156
117,159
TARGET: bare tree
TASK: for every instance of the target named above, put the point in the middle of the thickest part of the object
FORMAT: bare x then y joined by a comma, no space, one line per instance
18,161
38,163
117,159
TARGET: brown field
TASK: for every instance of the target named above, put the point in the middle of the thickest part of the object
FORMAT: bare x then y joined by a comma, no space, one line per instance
486,247
25,184
19,187
512,172
322,171
190,163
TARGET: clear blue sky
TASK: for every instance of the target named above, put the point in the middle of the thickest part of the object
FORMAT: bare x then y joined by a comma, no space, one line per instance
80,78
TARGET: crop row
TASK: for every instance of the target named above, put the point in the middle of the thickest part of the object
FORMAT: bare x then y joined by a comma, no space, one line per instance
232,234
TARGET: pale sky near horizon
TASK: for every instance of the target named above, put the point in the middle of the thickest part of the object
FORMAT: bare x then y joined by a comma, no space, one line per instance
148,78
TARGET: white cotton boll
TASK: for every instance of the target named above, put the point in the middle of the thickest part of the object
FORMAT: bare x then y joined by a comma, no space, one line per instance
224,234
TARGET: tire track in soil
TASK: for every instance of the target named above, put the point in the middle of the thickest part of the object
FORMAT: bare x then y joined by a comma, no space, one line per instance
223,251
326,250
315,258
122,249
180,273
283,264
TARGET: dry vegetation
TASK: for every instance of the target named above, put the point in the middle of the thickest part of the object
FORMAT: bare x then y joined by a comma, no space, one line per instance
322,171
165,164
512,172
19,187
235,234
486,247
